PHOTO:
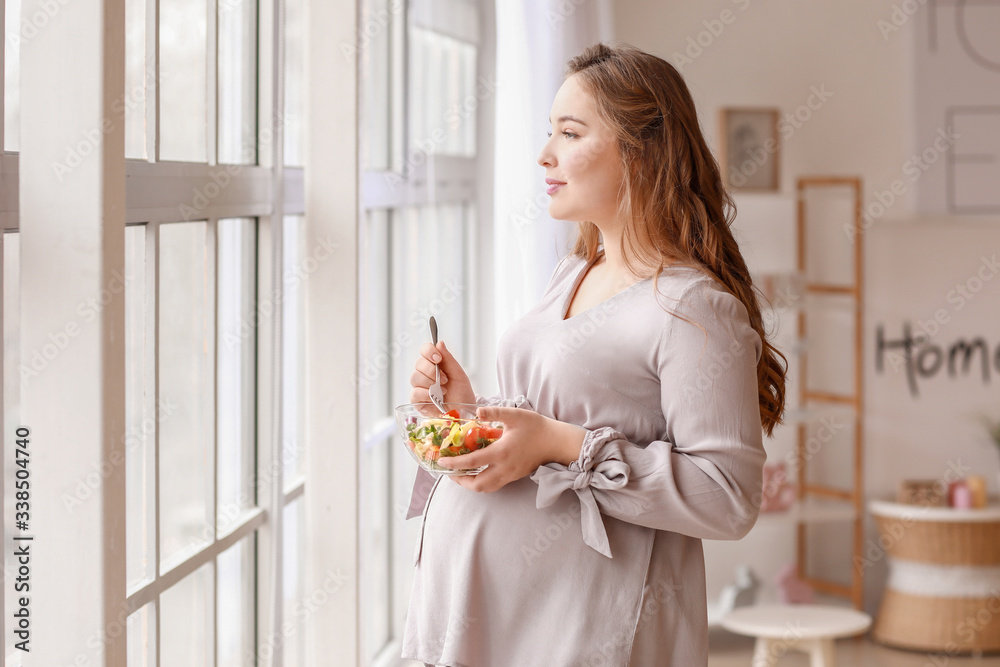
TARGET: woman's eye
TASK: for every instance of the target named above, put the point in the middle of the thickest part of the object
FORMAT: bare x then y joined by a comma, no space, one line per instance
565,133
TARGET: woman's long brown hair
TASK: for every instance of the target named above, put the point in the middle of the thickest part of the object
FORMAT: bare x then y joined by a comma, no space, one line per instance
676,209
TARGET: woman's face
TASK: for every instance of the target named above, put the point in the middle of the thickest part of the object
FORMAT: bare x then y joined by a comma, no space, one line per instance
582,153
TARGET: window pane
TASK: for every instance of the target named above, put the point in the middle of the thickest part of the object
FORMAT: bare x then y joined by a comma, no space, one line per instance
237,604
236,377
378,352
183,104
397,297
12,75
462,110
187,629
140,417
294,601
186,343
142,637
294,82
378,427
296,270
442,94
427,231
375,57
238,82
135,79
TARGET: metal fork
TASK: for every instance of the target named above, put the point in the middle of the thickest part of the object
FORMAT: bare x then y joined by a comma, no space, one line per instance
435,392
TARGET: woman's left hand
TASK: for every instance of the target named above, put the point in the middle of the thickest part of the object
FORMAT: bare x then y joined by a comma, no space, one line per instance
529,440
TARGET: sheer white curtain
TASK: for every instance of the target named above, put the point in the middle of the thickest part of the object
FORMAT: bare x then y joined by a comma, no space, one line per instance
535,38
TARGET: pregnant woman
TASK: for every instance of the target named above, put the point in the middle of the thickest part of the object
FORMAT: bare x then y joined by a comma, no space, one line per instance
634,395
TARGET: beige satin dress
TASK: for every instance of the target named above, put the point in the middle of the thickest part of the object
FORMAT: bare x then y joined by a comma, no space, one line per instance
600,563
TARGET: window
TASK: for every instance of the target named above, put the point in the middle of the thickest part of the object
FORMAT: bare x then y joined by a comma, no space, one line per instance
204,289
424,87
14,35
191,513
214,339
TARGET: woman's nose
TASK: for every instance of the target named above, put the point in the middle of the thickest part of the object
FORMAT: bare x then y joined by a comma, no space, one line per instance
545,157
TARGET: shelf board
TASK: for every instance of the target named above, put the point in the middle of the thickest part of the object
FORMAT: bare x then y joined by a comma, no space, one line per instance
814,414
810,511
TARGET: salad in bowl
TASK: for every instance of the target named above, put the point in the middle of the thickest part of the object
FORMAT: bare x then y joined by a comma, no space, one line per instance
430,434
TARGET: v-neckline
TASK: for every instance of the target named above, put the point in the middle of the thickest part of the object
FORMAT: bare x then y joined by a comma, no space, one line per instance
576,284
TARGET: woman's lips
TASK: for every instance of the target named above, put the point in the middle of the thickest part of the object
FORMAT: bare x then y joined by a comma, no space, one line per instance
553,185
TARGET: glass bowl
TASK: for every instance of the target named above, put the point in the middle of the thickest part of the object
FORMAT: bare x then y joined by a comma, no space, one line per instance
428,434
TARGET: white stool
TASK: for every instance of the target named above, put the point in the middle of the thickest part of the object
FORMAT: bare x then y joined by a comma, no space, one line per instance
807,628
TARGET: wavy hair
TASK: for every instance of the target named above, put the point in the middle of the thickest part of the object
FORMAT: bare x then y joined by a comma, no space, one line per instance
676,210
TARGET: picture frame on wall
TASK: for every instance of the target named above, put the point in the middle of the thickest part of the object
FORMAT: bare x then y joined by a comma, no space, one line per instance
750,148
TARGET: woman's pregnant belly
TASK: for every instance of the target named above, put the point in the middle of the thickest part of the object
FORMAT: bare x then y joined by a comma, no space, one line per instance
492,560
501,532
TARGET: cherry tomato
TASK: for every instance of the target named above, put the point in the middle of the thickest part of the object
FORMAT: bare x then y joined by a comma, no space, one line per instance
491,433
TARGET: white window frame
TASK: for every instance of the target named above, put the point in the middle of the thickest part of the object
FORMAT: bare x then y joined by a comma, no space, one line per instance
443,179
84,596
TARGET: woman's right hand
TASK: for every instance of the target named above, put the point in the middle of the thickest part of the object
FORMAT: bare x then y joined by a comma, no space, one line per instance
454,381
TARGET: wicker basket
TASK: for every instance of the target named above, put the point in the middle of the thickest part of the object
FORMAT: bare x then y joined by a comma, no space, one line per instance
937,622
947,625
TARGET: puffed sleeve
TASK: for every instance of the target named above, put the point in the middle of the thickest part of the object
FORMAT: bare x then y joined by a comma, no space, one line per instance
519,401
700,479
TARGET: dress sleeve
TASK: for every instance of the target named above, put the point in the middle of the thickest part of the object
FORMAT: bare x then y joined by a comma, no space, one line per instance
519,401
703,478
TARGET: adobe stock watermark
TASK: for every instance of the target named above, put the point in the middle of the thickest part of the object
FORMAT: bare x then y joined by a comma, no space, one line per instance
32,25
381,359
373,25
913,169
875,550
457,626
38,359
303,610
221,176
966,631
766,652
90,140
789,123
663,594
709,377
794,462
87,486
901,13
697,44
551,533
535,204
226,6
584,326
453,118
531,212
292,278
957,298
231,513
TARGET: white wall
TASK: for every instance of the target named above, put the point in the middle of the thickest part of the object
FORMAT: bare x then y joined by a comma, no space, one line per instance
777,54
773,54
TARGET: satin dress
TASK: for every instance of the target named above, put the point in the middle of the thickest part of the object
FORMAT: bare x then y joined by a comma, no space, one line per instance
599,564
